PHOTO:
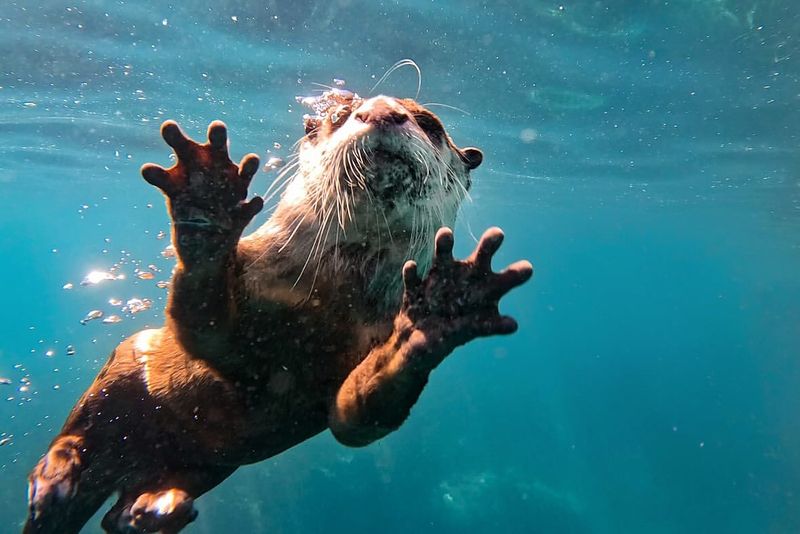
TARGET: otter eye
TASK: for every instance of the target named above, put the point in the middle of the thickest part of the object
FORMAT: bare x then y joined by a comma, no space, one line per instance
340,115
311,124
432,127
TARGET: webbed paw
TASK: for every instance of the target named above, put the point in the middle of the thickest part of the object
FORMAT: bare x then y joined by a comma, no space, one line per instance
206,192
55,478
167,512
457,301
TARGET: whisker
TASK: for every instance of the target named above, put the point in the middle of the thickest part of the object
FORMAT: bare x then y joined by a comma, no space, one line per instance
429,104
399,64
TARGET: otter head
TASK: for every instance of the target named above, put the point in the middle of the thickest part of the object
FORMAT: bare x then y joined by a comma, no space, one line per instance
374,180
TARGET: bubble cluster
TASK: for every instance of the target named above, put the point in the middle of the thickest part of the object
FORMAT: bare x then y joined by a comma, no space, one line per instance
331,99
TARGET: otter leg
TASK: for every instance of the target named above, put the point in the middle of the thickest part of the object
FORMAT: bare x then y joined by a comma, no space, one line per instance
206,200
62,492
165,506
455,303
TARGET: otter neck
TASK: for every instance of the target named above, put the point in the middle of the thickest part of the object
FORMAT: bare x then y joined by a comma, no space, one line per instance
301,251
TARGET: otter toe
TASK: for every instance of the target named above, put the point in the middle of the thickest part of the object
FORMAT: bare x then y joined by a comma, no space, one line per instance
168,510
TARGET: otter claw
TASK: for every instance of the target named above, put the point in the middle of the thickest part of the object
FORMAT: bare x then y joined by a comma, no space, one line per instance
155,175
487,247
218,135
174,137
443,244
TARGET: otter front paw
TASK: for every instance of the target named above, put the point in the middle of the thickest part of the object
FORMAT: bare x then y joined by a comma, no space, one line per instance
457,300
206,193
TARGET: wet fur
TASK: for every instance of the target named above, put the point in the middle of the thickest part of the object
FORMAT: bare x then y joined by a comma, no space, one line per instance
258,341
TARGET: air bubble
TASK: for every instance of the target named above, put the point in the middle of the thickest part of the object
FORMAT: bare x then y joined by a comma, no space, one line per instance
91,316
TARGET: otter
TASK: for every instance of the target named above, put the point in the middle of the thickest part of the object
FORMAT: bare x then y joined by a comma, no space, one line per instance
331,315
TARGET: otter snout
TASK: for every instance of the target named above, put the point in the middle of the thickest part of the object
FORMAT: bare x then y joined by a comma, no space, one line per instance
381,112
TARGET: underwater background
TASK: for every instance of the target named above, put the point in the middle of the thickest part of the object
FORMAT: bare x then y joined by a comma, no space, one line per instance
642,154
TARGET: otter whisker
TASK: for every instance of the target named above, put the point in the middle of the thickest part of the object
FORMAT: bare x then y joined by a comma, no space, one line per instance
429,104
299,221
285,179
320,260
399,64
315,243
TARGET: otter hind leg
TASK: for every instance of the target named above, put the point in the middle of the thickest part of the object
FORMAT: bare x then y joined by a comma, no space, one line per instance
166,511
165,504
60,498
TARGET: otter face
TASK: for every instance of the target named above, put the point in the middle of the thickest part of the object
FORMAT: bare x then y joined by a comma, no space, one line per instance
372,181
386,154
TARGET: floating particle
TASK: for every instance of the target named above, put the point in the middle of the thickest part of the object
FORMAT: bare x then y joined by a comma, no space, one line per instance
91,316
145,275
68,285
112,319
70,350
5,381
164,22
135,305
50,353
163,284
115,302
273,163
234,18
24,389
153,268
5,441
29,104
56,387
107,239
168,252
338,82
161,234
276,146
95,277
528,135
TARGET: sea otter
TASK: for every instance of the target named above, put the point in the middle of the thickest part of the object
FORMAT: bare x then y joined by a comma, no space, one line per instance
320,319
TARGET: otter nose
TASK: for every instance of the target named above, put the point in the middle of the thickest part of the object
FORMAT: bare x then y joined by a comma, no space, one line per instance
381,113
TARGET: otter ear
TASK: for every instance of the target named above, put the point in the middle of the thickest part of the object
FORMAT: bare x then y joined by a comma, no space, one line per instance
472,157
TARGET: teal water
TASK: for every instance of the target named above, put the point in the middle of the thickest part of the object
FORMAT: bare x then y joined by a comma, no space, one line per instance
643,155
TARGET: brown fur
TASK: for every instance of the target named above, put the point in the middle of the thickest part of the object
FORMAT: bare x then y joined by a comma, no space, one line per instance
254,357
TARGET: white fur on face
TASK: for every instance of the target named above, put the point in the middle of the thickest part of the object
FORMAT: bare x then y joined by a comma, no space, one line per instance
387,190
